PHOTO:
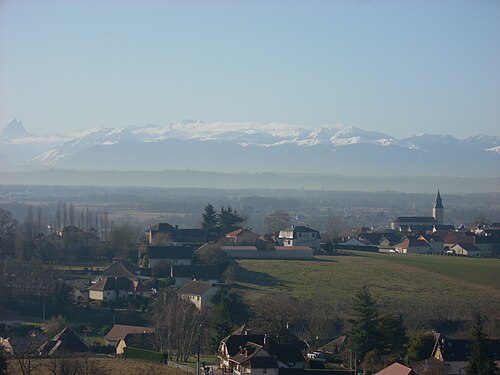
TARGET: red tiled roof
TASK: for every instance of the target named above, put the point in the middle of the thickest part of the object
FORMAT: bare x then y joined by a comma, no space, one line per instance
396,369
242,232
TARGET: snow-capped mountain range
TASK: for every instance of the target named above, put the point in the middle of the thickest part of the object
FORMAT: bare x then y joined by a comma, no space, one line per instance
251,147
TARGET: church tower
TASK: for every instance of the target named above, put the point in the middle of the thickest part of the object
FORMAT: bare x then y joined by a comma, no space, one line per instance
438,210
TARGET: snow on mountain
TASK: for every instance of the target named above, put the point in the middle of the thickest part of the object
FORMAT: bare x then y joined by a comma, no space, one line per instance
198,145
82,141
353,135
495,150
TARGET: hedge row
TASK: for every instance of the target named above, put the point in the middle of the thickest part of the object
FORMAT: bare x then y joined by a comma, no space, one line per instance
144,355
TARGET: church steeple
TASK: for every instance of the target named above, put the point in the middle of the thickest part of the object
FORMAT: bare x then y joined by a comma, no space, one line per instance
438,209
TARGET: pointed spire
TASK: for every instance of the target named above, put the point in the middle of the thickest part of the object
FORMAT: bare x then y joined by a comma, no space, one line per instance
439,201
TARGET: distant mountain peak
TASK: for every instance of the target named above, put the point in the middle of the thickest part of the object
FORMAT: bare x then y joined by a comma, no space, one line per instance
14,129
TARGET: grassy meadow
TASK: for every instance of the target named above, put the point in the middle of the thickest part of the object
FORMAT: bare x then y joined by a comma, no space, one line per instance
106,366
426,289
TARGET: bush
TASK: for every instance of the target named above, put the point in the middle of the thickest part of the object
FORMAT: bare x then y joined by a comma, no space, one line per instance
144,355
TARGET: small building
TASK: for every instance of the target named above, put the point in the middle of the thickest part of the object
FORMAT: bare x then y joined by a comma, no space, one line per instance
199,293
242,237
114,288
300,235
119,331
167,234
286,355
240,252
253,359
182,274
144,341
64,343
455,353
466,249
413,245
396,369
165,256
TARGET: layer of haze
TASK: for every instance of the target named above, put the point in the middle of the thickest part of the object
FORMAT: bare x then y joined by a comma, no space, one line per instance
400,67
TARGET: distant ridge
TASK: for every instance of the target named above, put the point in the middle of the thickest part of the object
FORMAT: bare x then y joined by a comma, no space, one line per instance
250,147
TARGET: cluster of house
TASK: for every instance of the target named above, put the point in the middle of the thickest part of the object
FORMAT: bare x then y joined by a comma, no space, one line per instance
427,235
245,352
169,245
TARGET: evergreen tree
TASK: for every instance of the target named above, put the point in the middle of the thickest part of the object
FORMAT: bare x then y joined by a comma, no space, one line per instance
210,224
229,220
365,333
420,346
481,361
393,331
220,325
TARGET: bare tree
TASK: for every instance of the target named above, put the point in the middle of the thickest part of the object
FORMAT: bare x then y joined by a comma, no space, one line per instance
177,323
76,366
71,214
277,220
7,231
24,352
280,316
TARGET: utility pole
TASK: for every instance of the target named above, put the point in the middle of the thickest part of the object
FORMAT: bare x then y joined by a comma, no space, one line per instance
198,358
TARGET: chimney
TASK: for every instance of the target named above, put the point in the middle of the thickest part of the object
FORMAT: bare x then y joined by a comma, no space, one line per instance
266,342
248,331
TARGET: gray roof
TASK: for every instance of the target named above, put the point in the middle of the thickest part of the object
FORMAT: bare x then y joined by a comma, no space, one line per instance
112,283
170,252
119,331
121,268
415,219
64,342
197,288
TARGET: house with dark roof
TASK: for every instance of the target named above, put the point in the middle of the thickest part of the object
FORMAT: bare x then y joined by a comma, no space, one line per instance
334,346
167,234
252,358
64,343
231,350
242,237
109,288
165,256
182,274
199,293
119,331
120,280
121,268
413,245
466,249
455,353
300,235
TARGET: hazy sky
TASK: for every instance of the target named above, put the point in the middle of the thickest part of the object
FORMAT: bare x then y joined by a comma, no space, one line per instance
401,67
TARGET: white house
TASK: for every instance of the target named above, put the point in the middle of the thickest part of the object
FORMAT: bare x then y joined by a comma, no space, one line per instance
300,235
199,293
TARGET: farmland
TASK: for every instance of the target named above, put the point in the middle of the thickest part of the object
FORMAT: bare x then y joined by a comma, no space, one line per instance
428,290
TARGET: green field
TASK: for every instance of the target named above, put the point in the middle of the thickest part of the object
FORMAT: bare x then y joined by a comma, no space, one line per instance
424,288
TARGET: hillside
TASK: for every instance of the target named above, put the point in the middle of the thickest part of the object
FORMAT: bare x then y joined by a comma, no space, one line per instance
428,290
